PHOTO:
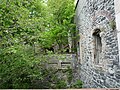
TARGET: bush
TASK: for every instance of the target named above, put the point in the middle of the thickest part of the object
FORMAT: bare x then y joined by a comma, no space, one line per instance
15,68
21,69
61,84
77,84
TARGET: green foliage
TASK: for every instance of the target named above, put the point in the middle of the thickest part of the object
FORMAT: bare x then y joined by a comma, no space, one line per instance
112,24
61,84
69,74
51,79
15,68
20,27
26,26
78,84
62,13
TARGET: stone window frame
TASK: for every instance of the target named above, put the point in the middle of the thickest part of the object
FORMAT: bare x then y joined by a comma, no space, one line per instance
98,46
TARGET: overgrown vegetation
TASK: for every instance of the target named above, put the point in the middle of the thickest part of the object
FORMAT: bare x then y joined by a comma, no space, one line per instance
78,84
28,28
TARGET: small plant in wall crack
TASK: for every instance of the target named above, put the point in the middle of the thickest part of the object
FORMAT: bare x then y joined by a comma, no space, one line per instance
112,24
102,30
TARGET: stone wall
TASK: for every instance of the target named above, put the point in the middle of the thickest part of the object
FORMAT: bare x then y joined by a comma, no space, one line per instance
60,61
117,15
92,15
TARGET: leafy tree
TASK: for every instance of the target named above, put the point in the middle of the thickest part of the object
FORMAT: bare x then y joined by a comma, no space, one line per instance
26,26
62,13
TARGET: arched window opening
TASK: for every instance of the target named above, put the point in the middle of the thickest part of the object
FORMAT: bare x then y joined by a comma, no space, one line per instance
98,45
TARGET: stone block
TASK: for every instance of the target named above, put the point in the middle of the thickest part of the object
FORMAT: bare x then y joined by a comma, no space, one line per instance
117,6
118,21
117,74
116,62
118,35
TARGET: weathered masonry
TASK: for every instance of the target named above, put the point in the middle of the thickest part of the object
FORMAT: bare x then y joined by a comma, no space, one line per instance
98,24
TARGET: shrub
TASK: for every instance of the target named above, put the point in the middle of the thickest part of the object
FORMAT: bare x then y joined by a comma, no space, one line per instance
77,84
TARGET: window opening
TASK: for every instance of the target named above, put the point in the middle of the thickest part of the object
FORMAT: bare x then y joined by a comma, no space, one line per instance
98,45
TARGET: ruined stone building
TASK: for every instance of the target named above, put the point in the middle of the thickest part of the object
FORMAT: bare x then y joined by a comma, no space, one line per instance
98,24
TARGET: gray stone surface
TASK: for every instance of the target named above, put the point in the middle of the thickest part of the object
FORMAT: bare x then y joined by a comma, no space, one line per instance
90,15
60,61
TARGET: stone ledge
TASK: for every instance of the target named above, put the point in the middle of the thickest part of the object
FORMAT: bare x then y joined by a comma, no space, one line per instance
84,89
